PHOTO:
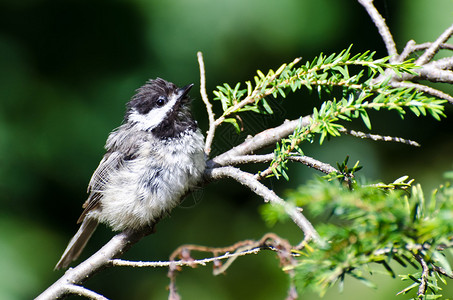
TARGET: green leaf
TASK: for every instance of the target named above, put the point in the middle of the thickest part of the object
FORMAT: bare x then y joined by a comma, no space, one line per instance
442,260
234,122
365,118
323,136
249,88
431,297
401,179
260,74
250,108
267,107
282,67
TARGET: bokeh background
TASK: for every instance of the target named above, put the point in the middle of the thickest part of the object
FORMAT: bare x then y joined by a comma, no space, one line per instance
67,68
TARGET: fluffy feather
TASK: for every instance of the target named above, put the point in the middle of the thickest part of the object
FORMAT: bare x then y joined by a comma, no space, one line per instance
152,160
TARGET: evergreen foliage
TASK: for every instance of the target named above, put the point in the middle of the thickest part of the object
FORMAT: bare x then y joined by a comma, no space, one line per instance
363,224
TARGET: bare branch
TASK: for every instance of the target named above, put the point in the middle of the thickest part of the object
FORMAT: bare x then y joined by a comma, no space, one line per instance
306,160
180,263
423,88
429,72
247,159
315,164
81,291
259,141
119,244
377,137
445,63
382,27
432,50
424,277
408,50
268,195
425,46
442,271
204,96
269,241
412,47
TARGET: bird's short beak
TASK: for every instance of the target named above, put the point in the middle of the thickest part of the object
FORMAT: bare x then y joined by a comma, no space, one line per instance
184,91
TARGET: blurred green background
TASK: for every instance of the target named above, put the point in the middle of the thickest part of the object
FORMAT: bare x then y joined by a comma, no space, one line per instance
67,68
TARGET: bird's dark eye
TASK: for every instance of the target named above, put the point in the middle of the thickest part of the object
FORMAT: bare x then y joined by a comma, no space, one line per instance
160,101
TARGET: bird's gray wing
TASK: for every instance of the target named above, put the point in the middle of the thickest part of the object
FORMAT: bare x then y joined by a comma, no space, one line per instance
122,146
111,162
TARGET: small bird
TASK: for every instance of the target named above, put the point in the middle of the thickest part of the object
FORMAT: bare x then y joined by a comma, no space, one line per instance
152,160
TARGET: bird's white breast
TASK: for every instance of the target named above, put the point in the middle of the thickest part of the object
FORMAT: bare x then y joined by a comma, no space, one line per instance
149,186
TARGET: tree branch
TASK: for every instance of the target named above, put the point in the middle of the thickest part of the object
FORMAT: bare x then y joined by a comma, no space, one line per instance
81,291
315,164
182,262
412,47
268,195
119,244
445,63
306,160
377,137
423,88
424,278
432,50
429,72
204,96
382,27
259,141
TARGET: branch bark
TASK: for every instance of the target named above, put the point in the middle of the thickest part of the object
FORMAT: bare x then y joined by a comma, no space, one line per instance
382,27
268,195
259,141
100,260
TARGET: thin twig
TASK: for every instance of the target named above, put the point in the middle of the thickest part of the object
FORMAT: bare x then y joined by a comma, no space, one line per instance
259,141
81,291
424,277
314,163
423,88
412,47
268,195
432,50
445,63
256,94
408,50
428,72
306,160
180,263
204,96
382,27
442,271
377,137
269,241
250,159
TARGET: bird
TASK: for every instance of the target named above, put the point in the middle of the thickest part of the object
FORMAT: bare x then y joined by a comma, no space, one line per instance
151,161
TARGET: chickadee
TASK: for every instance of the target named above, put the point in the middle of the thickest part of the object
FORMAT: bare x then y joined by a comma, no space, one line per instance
152,160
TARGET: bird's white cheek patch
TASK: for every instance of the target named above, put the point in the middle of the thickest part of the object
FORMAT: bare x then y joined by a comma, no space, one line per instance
154,117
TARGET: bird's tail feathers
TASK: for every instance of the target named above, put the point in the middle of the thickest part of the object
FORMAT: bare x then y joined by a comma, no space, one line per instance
77,243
